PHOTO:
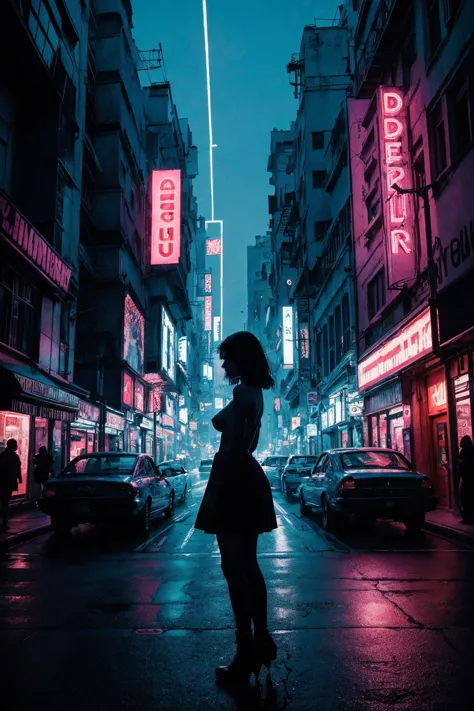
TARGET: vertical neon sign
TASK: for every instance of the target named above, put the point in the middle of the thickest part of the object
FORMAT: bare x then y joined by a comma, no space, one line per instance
165,217
208,313
395,169
288,346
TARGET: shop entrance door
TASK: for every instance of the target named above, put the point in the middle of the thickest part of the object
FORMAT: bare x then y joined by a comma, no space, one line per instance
439,440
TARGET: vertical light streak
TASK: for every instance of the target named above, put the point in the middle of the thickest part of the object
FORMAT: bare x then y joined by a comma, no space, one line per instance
209,104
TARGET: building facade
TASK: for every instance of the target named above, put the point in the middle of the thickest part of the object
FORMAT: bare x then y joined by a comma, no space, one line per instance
411,126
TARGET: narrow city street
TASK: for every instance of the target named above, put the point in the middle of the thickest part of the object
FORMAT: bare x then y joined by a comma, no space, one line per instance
373,619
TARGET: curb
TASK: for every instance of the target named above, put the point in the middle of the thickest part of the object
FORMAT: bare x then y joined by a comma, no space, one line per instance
16,538
448,532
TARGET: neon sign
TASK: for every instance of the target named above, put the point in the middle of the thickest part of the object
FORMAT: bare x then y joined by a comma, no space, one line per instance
410,344
213,247
208,283
139,397
133,335
127,390
288,359
165,217
208,313
395,166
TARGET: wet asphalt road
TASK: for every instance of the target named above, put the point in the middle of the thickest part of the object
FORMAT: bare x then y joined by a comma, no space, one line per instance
371,620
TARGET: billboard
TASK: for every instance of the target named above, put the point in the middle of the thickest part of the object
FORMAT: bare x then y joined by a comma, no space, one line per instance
168,348
396,170
208,313
165,217
127,396
288,345
139,397
133,335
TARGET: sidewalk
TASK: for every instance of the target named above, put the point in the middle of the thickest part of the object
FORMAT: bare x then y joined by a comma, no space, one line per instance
448,524
24,523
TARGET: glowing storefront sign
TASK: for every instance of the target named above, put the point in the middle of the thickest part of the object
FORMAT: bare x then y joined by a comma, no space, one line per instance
208,313
217,328
165,217
168,348
304,342
213,247
396,169
288,355
208,283
295,422
183,415
127,390
219,403
139,397
133,335
183,350
193,425
411,343
277,404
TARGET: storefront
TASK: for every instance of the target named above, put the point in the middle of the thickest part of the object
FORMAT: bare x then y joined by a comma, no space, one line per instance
383,417
339,420
114,431
35,412
84,431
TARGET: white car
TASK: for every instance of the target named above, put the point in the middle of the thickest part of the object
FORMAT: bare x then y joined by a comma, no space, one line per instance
178,478
297,467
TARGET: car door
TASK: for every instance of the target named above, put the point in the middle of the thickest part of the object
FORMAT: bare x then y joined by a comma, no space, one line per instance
315,482
162,486
147,476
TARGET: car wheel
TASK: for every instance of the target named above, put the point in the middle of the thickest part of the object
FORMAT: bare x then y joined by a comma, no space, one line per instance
144,522
286,493
61,526
184,495
330,518
414,523
304,508
170,510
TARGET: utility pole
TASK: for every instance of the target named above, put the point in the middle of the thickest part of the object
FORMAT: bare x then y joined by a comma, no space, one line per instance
423,192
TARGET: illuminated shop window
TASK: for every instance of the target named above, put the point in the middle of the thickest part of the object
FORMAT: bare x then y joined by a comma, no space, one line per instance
15,426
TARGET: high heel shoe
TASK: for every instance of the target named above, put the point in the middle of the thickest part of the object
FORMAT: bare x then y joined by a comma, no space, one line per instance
240,669
265,651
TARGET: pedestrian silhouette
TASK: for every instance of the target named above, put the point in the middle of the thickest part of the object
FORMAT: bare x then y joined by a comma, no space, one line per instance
43,462
238,505
10,477
466,476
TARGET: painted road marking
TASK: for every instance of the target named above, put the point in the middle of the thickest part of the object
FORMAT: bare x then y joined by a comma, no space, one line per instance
158,546
284,514
188,536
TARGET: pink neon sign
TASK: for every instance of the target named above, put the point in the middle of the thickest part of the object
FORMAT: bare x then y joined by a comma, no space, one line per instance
410,344
213,247
208,313
395,167
165,217
208,283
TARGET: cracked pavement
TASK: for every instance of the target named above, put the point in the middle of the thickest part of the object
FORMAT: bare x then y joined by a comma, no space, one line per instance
367,621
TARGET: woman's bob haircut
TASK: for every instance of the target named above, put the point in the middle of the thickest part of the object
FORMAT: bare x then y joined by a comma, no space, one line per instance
245,350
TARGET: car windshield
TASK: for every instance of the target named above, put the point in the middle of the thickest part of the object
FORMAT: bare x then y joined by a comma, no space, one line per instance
373,460
303,461
206,462
101,465
274,461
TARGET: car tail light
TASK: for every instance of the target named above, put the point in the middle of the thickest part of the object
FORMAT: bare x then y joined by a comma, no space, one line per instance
426,484
349,483
47,493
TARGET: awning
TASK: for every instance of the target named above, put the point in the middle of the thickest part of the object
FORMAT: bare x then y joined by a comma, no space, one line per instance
25,390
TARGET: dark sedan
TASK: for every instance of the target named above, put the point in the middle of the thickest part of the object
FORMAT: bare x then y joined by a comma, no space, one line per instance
368,483
297,466
107,486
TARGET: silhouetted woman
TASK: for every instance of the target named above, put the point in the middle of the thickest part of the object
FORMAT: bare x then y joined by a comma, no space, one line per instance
238,504
466,474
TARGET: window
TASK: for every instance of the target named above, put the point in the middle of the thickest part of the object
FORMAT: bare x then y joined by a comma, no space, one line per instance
19,319
325,351
376,293
319,178
338,322
332,344
43,31
373,205
320,230
438,130
460,108
346,324
408,59
434,25
317,138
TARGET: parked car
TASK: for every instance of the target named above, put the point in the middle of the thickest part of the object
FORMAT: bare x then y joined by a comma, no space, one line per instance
273,466
107,486
205,467
178,477
297,466
369,483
